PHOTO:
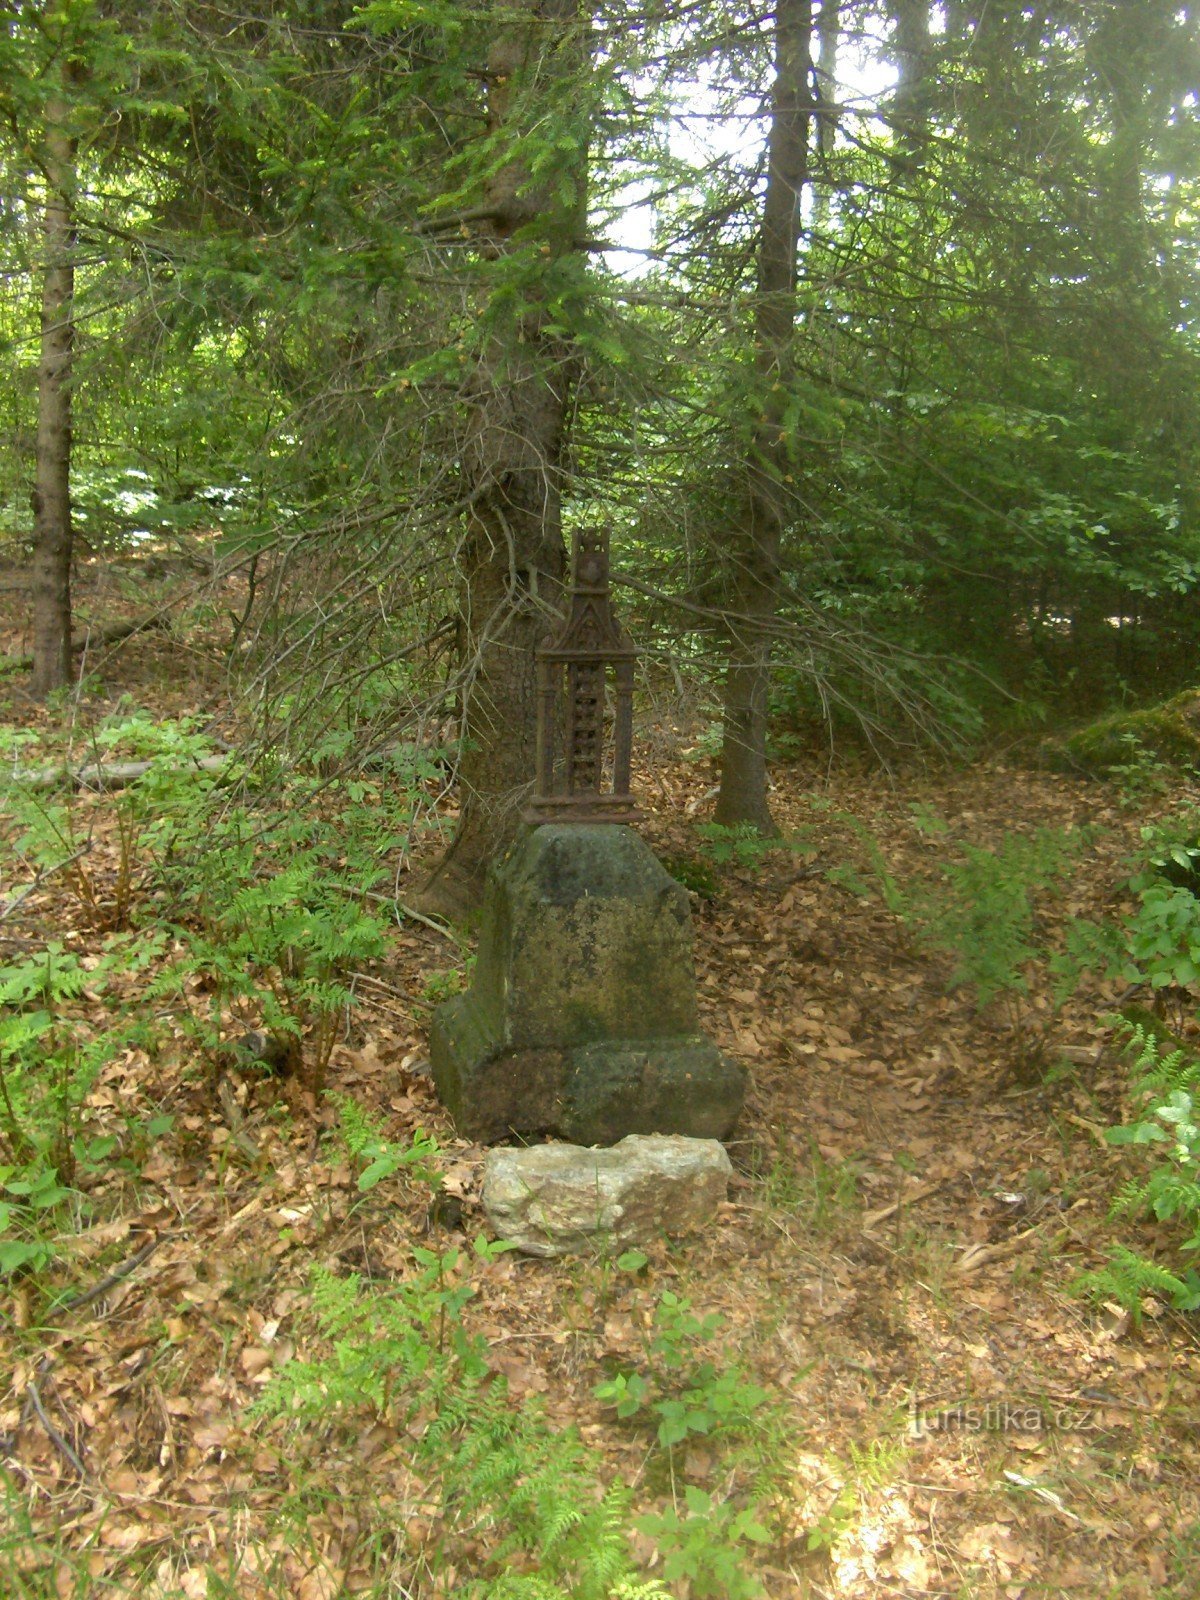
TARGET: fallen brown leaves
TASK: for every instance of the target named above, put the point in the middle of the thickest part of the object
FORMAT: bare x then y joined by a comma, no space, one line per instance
910,1204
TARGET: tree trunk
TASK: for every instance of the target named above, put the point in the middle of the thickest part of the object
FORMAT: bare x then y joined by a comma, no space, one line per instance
52,486
912,47
514,445
743,793
828,39
1121,47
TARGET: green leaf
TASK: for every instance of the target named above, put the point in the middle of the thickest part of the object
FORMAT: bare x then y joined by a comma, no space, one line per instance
16,1253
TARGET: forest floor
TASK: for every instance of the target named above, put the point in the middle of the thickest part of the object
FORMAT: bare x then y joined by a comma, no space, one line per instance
917,1183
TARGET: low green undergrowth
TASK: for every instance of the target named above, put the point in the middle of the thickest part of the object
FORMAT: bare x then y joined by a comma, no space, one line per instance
1163,1141
1138,747
739,848
978,905
1156,947
680,1395
739,845
51,1056
54,836
277,953
221,908
689,1392
510,1496
268,896
525,1497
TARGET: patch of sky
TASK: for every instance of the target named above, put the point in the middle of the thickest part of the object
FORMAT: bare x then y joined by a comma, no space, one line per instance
712,123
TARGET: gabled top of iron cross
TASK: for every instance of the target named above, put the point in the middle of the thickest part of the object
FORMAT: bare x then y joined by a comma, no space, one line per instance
591,630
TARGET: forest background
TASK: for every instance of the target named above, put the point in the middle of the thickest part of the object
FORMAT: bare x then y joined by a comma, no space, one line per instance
893,419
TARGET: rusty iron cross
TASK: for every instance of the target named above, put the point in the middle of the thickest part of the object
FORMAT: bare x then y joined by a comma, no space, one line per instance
571,771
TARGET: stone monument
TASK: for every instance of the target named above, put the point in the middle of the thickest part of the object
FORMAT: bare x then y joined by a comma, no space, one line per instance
581,1020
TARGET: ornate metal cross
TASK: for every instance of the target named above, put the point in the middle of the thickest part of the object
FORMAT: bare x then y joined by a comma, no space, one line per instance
571,773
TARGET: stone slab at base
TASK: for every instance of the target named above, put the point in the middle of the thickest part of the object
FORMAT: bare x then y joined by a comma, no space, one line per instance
581,1020
554,1198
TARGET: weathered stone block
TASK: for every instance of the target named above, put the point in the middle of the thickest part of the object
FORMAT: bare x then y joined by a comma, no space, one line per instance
552,1198
582,1017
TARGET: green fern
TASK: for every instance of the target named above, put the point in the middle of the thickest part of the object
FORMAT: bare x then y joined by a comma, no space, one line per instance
1168,1123
276,952
526,1498
980,906
982,911
357,1129
365,1143
50,1060
1149,1069
1129,1277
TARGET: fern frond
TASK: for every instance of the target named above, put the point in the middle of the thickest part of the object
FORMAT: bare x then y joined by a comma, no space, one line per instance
1130,1198
1127,1278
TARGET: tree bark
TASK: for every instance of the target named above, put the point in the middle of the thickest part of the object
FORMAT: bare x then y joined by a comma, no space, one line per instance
828,39
52,485
513,452
912,47
756,553
1122,48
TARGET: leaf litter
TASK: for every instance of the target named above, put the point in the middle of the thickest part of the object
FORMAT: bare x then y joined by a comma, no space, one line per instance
910,1201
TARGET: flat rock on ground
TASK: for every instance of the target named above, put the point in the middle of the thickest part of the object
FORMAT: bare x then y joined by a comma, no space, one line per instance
550,1199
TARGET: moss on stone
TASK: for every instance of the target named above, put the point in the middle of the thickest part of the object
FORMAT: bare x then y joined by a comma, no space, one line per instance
582,1017
1168,733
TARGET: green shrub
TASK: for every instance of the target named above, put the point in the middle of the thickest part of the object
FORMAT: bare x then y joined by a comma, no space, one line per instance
978,907
740,845
260,945
378,1157
694,873
53,836
683,1394
1158,944
278,952
981,910
706,1545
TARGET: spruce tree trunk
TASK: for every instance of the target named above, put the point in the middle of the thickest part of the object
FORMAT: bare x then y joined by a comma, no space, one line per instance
52,486
513,451
828,39
912,47
742,797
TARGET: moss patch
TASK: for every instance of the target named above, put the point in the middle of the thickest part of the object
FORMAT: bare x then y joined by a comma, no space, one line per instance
1169,732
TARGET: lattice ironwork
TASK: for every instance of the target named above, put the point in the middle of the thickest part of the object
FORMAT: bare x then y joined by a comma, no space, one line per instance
577,779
